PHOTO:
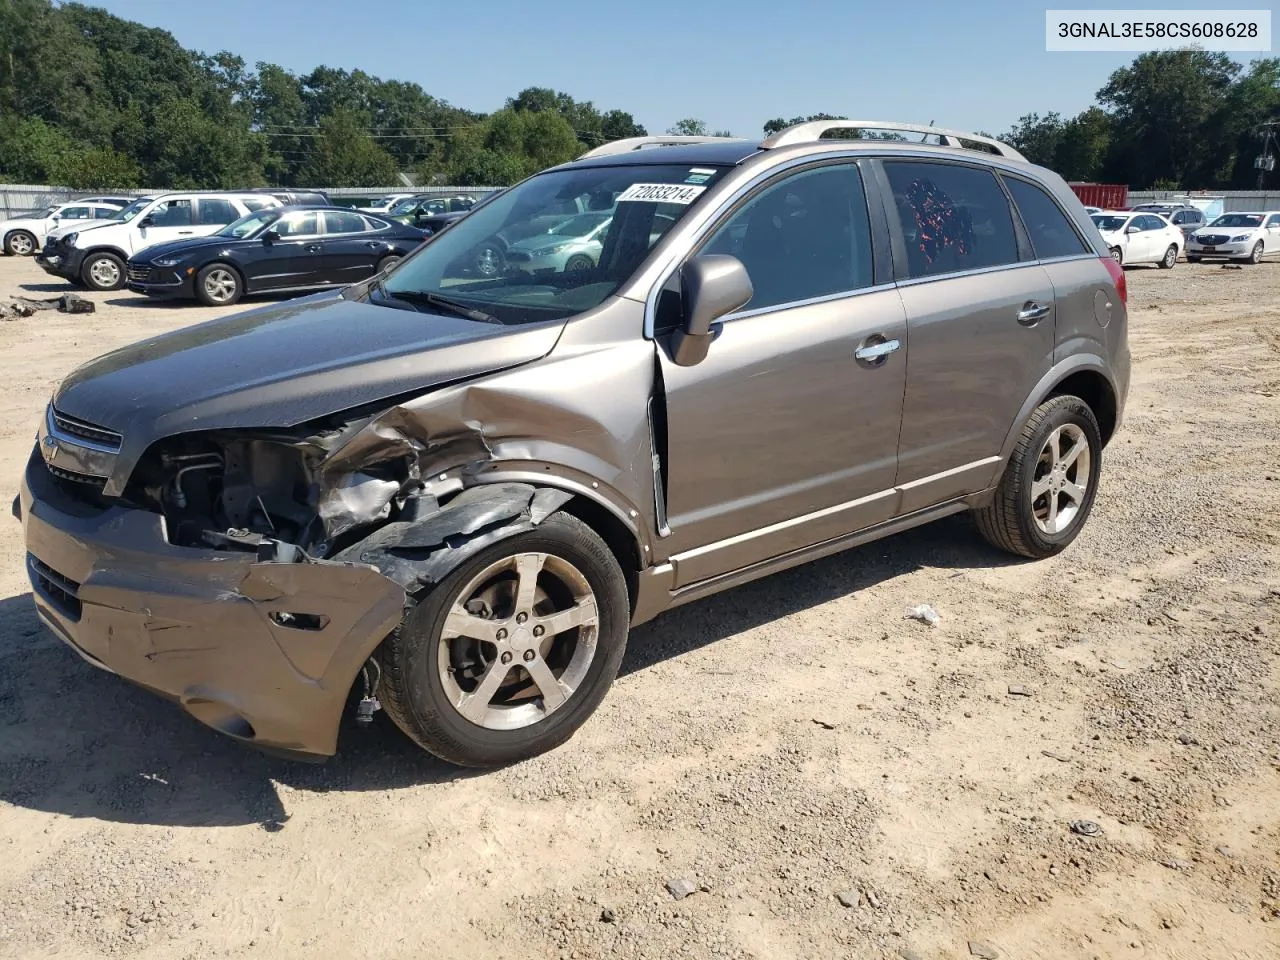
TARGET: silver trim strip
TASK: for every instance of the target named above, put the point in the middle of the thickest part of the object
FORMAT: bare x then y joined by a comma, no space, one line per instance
934,477
71,439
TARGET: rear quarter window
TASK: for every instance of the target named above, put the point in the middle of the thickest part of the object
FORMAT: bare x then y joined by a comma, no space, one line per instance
1050,230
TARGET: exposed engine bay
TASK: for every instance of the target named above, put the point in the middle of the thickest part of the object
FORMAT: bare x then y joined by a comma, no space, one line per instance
349,491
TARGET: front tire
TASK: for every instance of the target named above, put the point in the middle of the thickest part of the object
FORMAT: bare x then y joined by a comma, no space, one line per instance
102,271
1255,256
490,261
1170,258
20,243
1049,484
219,285
579,263
508,656
1117,255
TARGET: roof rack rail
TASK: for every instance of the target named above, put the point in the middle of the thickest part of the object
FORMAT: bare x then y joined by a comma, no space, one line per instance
814,129
628,144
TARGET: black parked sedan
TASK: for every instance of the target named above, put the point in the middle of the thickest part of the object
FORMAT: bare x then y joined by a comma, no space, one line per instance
279,249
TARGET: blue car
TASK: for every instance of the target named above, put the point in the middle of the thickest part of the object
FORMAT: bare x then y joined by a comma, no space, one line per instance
276,250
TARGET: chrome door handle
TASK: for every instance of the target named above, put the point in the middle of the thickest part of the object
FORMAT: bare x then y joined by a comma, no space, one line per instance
313,248
877,350
1032,311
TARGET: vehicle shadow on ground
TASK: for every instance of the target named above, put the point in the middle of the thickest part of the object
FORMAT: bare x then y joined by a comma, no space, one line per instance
51,287
77,741
173,303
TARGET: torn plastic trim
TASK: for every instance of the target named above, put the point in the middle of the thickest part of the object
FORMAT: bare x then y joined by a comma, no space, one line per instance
428,541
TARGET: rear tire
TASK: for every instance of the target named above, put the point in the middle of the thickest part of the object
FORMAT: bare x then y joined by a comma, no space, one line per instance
1117,255
434,666
20,243
387,262
102,271
1048,486
1170,258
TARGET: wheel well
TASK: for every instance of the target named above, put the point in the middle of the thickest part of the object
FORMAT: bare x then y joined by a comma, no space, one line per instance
1093,389
620,540
124,257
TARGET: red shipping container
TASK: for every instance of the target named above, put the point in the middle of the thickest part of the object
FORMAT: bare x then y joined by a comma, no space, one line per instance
1108,196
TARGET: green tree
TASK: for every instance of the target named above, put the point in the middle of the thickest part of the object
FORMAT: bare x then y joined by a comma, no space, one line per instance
343,153
688,127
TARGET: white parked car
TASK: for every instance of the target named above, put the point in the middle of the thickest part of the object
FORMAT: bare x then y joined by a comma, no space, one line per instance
383,204
1136,237
23,236
1247,237
94,255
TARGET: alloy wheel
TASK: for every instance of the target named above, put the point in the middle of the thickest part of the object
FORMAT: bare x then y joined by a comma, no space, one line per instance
104,272
518,641
1061,478
220,284
21,244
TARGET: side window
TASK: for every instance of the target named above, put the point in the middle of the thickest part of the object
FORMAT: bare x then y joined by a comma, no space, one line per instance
1273,220
1151,223
103,213
335,222
74,213
953,217
298,225
214,212
1051,232
171,213
257,203
806,236
1179,218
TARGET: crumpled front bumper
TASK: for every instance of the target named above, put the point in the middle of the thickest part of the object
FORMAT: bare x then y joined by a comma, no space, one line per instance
203,627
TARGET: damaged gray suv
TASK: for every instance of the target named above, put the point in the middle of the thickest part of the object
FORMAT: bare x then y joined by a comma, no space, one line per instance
451,493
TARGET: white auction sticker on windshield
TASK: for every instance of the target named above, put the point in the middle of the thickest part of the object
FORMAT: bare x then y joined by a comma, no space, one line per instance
660,193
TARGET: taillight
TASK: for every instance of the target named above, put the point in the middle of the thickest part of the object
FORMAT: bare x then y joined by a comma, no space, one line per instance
1117,274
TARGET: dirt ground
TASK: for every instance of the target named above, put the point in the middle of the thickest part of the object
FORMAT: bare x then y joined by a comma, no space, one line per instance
784,745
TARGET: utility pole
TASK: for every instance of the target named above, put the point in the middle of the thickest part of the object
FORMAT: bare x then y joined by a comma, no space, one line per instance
1266,161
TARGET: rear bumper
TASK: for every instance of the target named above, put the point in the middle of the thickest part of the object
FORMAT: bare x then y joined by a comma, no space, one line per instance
196,625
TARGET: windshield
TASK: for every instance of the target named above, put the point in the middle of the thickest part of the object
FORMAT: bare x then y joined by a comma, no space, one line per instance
479,260
1250,220
132,210
250,224
1109,224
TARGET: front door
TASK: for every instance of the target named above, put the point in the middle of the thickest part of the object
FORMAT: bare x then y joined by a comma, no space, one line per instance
292,257
1271,235
980,322
782,437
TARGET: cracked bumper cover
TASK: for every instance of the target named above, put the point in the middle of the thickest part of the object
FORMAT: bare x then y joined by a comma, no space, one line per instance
196,625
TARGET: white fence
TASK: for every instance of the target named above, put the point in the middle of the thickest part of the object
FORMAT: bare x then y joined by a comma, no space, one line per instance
17,199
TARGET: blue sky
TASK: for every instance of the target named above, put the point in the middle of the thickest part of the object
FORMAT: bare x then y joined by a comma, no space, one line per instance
732,63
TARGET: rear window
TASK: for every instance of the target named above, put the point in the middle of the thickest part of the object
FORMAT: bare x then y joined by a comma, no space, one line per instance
213,212
1051,232
953,217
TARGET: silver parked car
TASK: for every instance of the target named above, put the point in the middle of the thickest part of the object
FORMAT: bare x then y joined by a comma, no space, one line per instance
454,495
573,244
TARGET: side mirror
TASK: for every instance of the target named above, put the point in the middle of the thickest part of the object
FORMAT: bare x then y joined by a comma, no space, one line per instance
1133,229
270,237
147,221
711,287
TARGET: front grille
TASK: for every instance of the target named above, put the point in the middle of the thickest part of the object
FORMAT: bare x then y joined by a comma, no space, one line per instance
139,274
85,478
1212,240
62,593
74,427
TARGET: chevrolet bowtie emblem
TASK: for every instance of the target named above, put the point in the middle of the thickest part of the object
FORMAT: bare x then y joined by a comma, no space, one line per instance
49,447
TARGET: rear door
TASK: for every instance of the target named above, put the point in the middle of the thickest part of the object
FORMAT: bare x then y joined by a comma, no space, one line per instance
351,249
1073,267
214,213
292,257
980,324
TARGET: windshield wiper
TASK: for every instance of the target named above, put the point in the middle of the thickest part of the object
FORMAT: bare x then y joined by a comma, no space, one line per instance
439,302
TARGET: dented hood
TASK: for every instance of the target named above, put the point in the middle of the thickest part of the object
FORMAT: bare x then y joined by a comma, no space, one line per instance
285,364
